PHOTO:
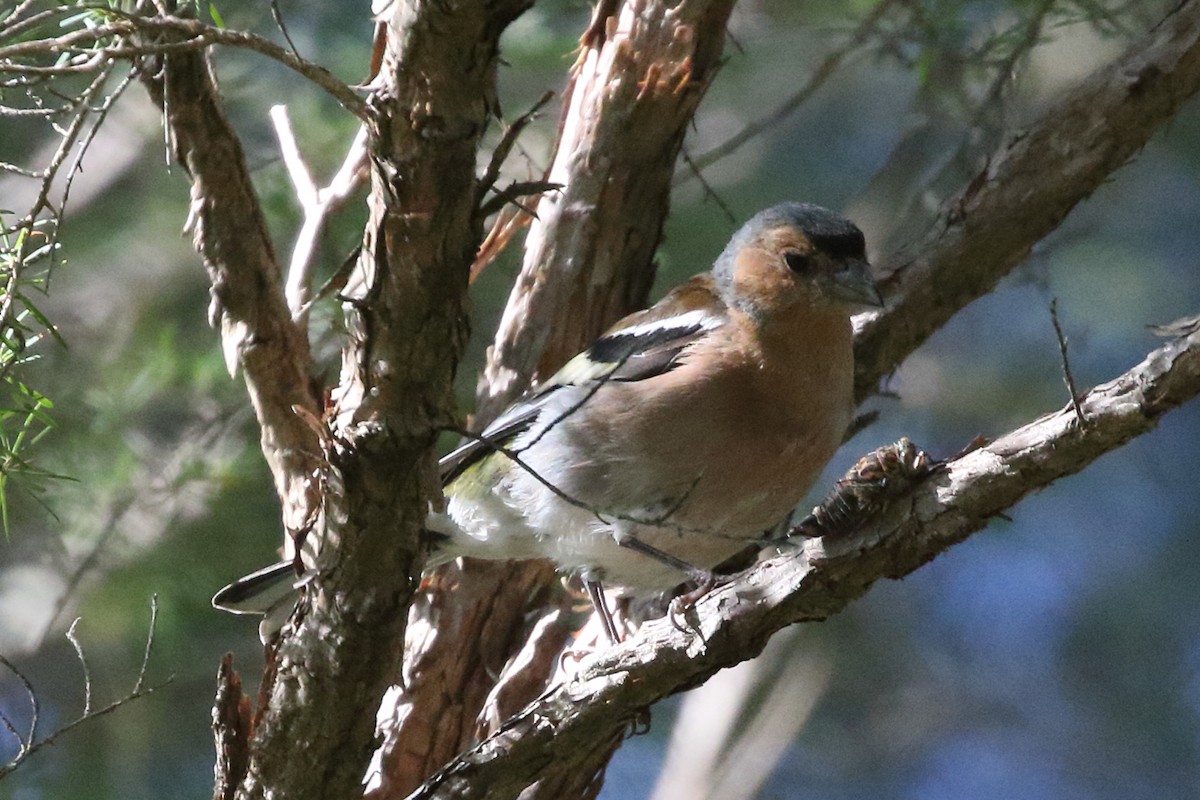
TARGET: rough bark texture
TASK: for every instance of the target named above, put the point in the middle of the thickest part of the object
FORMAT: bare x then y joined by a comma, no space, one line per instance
1026,189
613,687
247,307
407,325
589,254
588,261
231,731
362,485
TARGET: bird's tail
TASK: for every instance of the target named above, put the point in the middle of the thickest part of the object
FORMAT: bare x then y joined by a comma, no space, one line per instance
259,592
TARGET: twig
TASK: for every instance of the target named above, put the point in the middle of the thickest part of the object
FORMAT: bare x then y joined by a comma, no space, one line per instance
504,147
66,142
87,672
709,191
1032,32
816,80
107,531
13,29
141,679
26,742
197,36
515,190
278,17
29,746
603,516
1068,378
317,205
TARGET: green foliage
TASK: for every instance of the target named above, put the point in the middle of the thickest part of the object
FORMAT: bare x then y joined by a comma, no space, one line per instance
25,258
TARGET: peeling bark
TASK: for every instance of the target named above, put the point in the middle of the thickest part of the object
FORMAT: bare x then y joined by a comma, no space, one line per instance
359,481
247,306
588,261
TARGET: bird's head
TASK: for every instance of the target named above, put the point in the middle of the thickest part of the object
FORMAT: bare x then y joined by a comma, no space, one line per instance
795,256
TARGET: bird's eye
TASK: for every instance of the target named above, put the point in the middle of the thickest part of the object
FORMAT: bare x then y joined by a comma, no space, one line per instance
796,261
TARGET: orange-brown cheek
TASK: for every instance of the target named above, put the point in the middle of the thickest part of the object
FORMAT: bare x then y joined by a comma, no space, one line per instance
766,287
758,276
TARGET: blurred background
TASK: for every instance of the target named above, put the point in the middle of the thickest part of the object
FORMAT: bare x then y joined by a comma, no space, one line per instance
1056,655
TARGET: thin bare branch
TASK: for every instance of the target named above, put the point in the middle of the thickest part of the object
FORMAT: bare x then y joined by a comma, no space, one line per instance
504,147
141,678
26,741
197,36
316,204
30,746
602,515
278,17
1068,378
289,149
67,140
709,192
816,79
73,638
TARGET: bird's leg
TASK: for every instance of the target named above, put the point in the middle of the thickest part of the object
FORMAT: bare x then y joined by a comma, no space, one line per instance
700,576
703,578
596,592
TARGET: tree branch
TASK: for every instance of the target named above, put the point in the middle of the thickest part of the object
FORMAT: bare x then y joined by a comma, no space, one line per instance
589,254
734,622
1035,178
816,79
181,34
247,306
406,327
588,260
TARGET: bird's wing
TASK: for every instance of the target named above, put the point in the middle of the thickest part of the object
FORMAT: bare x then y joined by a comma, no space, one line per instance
642,345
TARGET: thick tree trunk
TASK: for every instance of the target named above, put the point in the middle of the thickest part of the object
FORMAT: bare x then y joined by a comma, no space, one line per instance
644,67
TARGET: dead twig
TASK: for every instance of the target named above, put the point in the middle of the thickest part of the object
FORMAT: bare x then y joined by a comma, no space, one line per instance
1068,378
316,204
27,744
816,80
86,42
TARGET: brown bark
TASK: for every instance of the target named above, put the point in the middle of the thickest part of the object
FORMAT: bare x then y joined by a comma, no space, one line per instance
363,485
588,261
247,307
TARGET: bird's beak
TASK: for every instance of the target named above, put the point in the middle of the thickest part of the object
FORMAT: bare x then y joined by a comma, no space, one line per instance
854,284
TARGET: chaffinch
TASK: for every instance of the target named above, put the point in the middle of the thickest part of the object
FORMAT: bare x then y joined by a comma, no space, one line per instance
679,436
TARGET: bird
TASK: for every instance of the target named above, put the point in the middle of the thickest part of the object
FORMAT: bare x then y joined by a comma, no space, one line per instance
678,437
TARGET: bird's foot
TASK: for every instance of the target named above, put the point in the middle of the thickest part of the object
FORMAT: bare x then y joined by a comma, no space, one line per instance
705,582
